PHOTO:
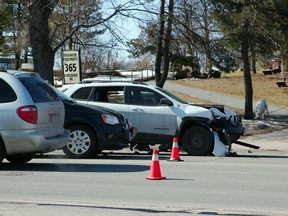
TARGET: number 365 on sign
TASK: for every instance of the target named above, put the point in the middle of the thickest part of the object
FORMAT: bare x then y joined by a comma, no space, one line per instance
71,66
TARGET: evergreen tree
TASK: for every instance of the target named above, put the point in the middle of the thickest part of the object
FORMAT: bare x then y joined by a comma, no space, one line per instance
247,27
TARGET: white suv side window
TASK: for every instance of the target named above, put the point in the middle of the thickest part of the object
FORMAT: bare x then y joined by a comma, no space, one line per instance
144,96
109,94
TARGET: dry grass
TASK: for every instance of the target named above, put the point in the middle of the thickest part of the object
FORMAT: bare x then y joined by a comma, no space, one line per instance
264,86
190,99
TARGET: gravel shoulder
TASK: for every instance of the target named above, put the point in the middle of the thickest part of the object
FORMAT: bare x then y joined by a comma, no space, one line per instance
267,125
270,134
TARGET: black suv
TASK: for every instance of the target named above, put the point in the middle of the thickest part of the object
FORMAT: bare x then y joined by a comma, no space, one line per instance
94,129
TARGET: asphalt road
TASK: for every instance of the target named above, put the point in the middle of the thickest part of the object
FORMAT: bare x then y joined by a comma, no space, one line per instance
250,184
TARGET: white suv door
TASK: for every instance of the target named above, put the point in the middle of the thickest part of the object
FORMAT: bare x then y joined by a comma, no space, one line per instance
146,112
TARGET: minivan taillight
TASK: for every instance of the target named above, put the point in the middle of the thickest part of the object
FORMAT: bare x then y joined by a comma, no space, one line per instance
28,114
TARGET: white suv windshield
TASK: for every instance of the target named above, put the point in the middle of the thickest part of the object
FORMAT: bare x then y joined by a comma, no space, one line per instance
171,95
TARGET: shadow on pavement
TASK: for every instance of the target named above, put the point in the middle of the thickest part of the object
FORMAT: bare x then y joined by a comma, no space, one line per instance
65,167
262,156
111,156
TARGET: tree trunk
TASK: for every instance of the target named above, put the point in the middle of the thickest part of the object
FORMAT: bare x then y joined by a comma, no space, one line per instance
25,60
17,59
246,68
253,60
42,52
207,46
167,45
159,51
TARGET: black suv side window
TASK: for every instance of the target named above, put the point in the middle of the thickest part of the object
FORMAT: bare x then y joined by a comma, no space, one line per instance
7,94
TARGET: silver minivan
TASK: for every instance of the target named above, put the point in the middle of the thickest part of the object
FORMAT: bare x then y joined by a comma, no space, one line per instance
31,117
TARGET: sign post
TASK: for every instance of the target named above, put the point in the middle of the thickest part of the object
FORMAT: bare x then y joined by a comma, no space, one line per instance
71,66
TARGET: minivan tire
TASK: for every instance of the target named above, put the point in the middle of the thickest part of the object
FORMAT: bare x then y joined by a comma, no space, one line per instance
20,158
2,151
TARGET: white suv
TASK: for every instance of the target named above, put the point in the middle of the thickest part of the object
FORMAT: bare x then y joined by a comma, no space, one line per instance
31,117
159,116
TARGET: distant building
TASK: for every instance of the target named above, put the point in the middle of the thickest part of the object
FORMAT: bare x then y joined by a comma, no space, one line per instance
7,62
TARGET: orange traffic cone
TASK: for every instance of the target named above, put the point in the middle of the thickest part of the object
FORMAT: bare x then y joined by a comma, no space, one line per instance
175,151
155,172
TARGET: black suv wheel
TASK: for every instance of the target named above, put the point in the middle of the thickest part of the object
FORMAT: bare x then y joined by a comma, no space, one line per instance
82,142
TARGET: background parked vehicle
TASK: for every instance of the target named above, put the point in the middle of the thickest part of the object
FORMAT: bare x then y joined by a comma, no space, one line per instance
94,129
31,117
160,116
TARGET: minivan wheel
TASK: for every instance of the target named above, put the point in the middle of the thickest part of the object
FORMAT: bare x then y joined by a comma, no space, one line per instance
198,141
20,158
2,151
82,142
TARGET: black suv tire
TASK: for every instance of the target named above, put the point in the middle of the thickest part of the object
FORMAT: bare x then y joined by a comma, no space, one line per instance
82,142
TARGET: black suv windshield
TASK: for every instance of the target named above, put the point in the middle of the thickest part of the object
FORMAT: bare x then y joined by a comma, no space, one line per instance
39,90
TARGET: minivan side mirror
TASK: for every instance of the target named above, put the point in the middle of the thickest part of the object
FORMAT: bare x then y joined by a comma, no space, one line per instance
165,101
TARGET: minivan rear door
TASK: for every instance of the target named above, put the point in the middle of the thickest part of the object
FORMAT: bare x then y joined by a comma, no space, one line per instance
50,108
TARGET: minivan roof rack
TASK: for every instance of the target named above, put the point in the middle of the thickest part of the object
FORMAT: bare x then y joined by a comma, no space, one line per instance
3,70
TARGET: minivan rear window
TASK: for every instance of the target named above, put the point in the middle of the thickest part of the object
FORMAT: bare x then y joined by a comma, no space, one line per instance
39,90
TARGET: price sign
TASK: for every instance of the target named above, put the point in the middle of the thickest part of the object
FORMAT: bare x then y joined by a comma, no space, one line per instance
71,66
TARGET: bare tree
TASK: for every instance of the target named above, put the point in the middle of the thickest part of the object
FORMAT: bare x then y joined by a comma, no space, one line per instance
160,77
14,16
46,42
